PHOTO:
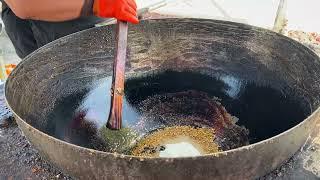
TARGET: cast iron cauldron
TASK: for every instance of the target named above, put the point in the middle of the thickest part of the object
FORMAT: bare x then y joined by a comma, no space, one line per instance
256,55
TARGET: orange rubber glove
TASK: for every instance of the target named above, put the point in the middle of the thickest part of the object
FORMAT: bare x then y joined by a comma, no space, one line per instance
125,10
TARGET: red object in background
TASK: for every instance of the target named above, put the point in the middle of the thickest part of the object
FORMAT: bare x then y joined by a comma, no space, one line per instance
9,68
125,10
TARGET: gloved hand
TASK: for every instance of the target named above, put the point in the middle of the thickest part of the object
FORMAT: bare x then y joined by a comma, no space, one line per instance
125,10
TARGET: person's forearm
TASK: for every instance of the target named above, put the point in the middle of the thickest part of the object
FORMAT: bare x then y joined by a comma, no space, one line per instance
47,10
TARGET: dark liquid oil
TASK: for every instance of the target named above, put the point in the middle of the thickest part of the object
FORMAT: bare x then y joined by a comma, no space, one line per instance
81,117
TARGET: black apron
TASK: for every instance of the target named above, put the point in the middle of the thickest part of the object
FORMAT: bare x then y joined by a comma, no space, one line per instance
29,35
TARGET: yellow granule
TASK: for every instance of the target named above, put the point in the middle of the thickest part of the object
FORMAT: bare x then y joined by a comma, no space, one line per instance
202,137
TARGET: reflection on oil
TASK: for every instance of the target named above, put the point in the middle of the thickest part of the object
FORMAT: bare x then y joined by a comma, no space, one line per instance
183,147
80,117
97,104
234,86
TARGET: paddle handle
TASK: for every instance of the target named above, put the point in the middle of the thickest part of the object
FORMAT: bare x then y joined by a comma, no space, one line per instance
117,89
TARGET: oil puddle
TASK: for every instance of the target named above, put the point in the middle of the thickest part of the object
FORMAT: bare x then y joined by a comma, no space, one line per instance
157,101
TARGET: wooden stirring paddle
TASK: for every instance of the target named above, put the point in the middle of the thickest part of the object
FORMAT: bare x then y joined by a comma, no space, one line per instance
117,89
